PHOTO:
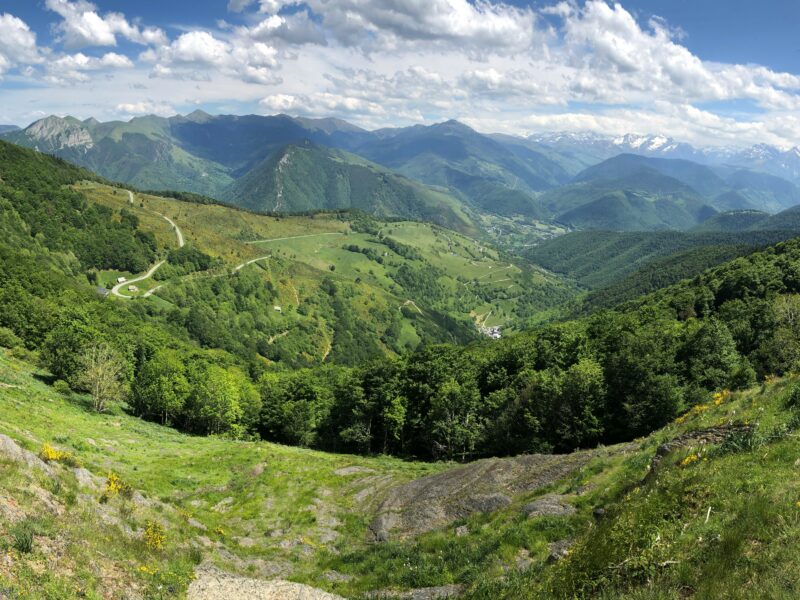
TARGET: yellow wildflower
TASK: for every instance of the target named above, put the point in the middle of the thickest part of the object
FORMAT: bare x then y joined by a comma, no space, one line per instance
154,535
689,460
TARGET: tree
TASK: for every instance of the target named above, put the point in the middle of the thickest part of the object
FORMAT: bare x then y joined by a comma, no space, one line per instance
161,388
454,422
103,372
710,356
64,349
575,417
214,403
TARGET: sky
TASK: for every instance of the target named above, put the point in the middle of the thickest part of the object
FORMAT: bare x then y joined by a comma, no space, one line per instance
708,72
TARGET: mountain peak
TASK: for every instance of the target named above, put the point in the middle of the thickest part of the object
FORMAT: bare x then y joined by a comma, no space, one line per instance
56,133
198,116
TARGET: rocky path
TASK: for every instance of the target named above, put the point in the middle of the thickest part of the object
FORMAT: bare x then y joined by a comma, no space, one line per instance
212,584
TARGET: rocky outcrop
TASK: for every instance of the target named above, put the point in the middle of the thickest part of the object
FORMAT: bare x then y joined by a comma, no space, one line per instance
10,450
551,505
699,437
484,486
54,133
440,592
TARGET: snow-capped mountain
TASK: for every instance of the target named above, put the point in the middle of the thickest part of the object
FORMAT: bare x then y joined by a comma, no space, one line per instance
761,157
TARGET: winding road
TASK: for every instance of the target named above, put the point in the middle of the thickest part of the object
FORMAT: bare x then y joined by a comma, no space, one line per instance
116,289
177,229
251,261
294,237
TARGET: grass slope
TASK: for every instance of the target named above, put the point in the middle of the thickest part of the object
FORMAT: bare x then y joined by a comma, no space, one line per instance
254,508
716,518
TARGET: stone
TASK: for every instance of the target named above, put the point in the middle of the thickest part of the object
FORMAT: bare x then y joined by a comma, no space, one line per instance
462,530
551,505
213,584
86,479
559,550
223,505
15,453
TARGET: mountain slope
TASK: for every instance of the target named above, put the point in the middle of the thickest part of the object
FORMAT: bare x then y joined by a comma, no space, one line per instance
633,199
599,258
485,172
734,220
307,177
699,177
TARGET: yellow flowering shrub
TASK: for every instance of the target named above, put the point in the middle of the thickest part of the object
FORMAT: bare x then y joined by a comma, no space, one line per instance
115,485
721,397
690,459
50,454
154,535
148,570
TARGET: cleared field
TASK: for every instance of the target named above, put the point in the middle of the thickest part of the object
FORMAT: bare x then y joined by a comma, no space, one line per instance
445,274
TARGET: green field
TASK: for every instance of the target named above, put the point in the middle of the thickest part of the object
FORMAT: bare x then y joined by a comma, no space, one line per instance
450,285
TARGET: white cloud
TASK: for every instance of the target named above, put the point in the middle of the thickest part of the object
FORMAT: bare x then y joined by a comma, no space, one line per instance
279,103
72,68
377,25
613,59
252,61
497,65
295,29
145,108
82,26
17,43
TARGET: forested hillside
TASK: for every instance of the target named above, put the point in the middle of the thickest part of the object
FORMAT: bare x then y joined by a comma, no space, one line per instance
604,378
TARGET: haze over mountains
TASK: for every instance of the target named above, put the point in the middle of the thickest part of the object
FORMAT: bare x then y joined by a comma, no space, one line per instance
447,173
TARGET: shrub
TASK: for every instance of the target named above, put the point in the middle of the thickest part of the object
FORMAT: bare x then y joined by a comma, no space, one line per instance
115,486
50,454
154,535
9,339
62,387
793,399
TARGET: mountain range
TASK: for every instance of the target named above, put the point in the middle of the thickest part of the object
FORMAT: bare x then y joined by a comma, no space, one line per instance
446,173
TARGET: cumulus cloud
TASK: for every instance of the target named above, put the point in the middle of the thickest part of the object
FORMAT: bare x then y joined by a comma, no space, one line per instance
198,50
146,108
72,68
615,60
482,27
279,103
82,26
497,64
17,43
295,29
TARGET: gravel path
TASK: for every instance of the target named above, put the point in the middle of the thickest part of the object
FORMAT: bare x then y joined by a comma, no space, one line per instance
213,584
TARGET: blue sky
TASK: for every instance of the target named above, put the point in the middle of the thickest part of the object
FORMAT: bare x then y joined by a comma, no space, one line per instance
709,72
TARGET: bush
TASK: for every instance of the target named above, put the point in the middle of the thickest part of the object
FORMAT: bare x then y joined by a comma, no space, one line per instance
114,486
50,454
62,387
9,339
793,399
154,535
